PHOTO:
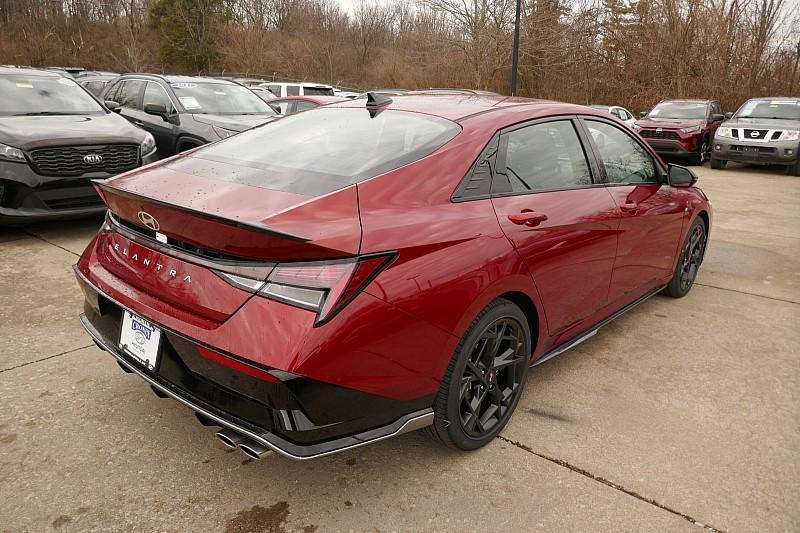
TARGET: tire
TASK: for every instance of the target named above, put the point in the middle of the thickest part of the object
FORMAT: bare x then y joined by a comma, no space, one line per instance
794,170
718,164
701,156
457,422
692,253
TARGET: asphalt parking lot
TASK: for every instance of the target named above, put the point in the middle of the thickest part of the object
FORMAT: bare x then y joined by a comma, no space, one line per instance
682,415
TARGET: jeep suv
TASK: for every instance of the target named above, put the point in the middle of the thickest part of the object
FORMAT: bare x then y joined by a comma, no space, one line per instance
764,131
185,112
55,137
682,128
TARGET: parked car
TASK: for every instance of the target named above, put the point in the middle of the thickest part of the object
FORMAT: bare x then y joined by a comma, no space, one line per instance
54,138
262,92
96,83
618,111
762,131
184,112
369,268
281,89
682,127
294,104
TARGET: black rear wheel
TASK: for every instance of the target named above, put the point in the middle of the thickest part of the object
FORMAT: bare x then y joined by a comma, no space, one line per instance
718,164
794,170
485,378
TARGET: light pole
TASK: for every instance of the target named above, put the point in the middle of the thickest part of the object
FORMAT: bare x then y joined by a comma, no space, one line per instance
515,53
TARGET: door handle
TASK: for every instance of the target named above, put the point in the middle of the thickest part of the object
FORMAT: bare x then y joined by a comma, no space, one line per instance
528,217
631,207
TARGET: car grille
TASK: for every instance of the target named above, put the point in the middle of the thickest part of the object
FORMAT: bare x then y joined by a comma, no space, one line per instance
653,134
70,160
755,134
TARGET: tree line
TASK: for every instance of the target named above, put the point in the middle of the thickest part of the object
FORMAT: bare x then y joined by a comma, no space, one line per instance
627,52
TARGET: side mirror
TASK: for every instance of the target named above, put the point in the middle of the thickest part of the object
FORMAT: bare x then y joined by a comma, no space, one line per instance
113,106
716,117
158,110
679,176
728,115
642,114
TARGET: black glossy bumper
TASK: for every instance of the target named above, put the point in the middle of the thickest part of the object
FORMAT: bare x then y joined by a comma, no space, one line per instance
298,417
670,147
26,196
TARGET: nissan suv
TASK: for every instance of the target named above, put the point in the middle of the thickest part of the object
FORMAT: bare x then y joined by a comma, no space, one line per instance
55,137
682,128
184,112
764,131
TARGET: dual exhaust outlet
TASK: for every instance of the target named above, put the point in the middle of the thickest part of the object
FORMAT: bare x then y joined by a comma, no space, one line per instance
248,446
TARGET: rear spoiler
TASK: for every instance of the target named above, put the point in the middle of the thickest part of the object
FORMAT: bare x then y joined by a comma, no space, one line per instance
256,227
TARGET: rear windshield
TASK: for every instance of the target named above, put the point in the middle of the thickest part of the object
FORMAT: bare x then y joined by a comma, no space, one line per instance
219,99
777,109
679,110
327,149
317,91
31,95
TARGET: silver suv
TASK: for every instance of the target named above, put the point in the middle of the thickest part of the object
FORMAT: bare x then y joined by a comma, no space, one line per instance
764,131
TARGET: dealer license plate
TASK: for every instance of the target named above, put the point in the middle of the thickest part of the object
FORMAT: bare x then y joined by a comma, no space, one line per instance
140,339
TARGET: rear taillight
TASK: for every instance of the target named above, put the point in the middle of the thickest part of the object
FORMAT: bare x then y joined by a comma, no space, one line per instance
321,286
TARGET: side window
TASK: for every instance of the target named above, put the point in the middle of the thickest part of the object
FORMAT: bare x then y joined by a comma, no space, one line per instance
543,157
155,94
617,113
624,159
302,106
129,95
280,107
623,115
276,89
111,93
292,90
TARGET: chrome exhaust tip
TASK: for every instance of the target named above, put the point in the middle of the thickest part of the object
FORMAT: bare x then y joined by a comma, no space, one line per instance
230,438
253,449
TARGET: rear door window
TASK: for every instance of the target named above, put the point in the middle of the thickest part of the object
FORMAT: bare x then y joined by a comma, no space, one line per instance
542,157
130,93
331,148
302,106
292,90
318,91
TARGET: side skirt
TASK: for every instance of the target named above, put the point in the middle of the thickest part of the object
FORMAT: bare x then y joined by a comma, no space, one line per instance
592,331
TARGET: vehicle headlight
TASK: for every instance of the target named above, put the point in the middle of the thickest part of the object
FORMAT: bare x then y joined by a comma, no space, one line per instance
148,144
789,135
10,153
690,129
224,133
724,131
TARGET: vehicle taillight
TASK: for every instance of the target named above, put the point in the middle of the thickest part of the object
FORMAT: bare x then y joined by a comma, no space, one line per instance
321,286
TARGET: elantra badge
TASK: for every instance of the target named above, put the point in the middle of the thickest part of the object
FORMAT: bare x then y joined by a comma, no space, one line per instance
148,220
93,159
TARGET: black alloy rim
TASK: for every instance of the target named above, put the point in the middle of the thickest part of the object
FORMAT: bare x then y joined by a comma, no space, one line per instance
692,256
492,377
705,152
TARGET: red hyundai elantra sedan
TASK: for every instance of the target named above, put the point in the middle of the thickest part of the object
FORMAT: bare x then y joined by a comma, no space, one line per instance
365,269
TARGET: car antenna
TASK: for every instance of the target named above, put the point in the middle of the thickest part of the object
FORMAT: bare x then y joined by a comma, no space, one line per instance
376,101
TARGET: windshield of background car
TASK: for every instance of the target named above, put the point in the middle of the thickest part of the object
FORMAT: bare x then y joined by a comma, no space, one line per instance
325,150
683,110
777,108
219,99
31,95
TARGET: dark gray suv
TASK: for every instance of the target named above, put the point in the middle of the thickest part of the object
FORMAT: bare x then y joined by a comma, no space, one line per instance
184,112
55,138
764,131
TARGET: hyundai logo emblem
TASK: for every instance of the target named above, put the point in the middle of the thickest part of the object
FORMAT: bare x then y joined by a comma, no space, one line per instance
754,134
148,220
93,159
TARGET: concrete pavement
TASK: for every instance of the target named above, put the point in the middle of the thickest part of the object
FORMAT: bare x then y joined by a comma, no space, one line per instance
681,416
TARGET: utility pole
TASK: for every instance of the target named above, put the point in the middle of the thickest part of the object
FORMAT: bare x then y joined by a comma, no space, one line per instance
515,54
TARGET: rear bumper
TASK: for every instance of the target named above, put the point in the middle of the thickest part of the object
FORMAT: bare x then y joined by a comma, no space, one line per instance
769,153
26,196
296,416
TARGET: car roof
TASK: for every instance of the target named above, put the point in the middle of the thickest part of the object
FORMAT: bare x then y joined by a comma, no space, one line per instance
24,71
170,78
320,99
460,107
688,100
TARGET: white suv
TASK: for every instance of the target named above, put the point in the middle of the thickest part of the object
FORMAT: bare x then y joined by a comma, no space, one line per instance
281,89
